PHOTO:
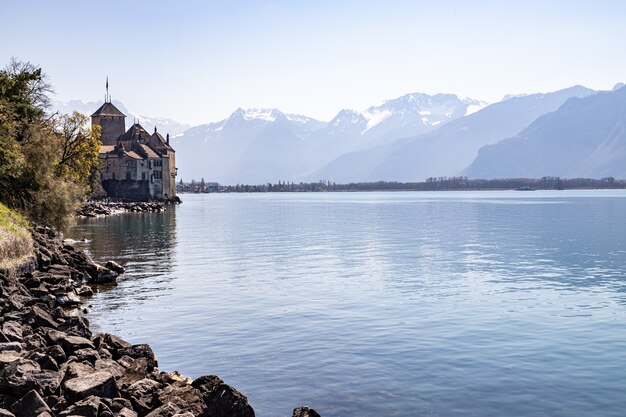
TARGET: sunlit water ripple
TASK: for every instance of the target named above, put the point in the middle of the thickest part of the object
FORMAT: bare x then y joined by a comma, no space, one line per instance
381,304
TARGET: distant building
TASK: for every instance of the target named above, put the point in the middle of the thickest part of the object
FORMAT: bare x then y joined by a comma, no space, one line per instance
136,165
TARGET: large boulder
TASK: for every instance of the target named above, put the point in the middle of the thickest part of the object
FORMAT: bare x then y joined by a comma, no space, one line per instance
19,377
13,331
222,400
115,267
100,383
86,408
184,396
143,395
29,405
141,351
305,412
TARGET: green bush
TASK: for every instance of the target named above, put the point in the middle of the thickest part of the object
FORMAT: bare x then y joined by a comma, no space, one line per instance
15,238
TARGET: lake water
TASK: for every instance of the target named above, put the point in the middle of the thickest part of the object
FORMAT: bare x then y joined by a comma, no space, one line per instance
381,304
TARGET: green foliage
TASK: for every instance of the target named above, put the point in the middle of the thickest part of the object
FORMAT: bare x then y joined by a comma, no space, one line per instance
15,240
48,163
80,145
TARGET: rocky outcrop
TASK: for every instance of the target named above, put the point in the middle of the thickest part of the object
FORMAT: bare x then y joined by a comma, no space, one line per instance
52,365
106,208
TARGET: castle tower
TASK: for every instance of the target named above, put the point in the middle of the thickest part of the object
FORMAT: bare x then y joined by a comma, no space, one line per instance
110,119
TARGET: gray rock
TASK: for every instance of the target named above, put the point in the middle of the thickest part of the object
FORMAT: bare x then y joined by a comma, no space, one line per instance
126,412
143,395
84,291
100,383
56,352
184,396
68,299
8,357
13,331
76,326
116,405
114,266
87,355
45,361
76,369
19,377
72,344
48,381
104,275
6,413
166,410
86,408
29,405
11,346
305,412
108,364
222,400
111,343
38,317
137,370
141,351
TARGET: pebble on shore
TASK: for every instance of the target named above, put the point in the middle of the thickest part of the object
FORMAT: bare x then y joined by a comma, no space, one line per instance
52,365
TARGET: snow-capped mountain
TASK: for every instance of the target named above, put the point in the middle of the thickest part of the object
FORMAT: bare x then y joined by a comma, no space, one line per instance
249,146
450,148
163,125
411,111
261,145
408,115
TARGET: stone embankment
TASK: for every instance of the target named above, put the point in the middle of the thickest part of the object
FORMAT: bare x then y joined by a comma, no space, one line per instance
52,365
106,208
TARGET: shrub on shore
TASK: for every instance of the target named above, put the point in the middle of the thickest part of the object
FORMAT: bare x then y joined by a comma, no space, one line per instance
15,239
48,162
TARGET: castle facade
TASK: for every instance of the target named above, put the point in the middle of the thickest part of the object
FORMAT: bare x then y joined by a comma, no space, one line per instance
136,165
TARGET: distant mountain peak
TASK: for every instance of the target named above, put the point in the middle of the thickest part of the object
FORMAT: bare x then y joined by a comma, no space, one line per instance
347,117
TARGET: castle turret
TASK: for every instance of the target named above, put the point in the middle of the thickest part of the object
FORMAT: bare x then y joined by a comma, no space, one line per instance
111,121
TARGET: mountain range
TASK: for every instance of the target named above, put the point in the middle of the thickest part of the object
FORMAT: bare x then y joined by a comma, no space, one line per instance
266,145
574,132
449,149
585,137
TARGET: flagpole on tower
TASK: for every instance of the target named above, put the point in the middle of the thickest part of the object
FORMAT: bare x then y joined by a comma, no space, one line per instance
107,97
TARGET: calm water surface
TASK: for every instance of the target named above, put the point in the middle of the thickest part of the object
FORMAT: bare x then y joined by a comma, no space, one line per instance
381,304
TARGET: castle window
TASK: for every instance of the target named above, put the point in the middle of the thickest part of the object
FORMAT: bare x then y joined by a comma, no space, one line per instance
127,175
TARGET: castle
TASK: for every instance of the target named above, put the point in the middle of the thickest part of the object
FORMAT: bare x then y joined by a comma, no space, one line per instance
136,165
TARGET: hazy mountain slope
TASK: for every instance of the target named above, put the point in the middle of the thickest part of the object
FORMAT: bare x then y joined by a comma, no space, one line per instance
583,138
408,115
449,149
261,145
250,146
163,125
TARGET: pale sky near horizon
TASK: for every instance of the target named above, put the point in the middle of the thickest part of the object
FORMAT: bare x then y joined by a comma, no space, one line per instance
197,61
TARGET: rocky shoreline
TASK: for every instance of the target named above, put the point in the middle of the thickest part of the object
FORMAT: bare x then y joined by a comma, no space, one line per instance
51,364
107,208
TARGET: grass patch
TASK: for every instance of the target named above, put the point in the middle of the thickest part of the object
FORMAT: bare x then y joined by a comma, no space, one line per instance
15,239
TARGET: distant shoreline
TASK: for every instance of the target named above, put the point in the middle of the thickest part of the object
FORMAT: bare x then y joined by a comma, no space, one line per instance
431,184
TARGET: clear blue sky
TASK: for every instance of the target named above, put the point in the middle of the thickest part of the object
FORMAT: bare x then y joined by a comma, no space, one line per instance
196,61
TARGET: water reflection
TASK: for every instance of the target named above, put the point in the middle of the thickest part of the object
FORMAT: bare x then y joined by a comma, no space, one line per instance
389,304
144,243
